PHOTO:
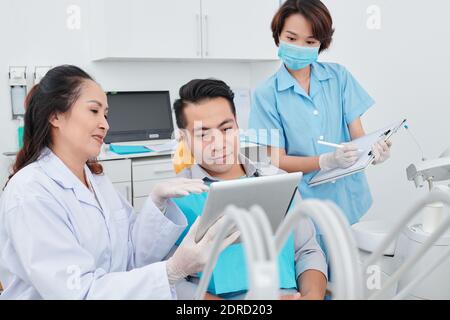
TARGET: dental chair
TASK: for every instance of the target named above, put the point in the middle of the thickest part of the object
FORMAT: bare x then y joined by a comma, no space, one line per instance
350,281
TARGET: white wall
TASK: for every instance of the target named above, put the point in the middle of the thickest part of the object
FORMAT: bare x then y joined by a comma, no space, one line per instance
405,66
40,38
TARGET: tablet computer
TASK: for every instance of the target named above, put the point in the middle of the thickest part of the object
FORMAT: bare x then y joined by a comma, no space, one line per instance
274,194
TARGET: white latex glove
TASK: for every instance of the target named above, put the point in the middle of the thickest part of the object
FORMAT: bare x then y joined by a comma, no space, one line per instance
191,257
382,151
341,158
175,188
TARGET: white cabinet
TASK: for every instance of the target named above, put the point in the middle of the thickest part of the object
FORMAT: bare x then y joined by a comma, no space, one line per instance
119,172
135,178
138,29
125,189
182,29
238,29
146,174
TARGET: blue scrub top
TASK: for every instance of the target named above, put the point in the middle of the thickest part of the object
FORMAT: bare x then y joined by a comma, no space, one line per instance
336,99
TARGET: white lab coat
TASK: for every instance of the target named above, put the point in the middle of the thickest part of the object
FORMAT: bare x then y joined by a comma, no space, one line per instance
56,242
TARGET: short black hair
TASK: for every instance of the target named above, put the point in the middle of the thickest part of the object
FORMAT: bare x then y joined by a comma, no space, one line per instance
314,11
200,90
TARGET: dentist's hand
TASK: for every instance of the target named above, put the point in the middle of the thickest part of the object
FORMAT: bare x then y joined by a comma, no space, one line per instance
175,188
191,257
382,151
341,158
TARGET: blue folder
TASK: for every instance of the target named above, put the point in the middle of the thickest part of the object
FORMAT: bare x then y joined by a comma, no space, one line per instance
128,149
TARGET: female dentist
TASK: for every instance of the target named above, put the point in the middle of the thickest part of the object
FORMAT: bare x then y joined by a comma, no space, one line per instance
65,233
307,101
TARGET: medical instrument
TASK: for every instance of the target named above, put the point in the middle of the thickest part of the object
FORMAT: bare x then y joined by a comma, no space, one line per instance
430,171
413,137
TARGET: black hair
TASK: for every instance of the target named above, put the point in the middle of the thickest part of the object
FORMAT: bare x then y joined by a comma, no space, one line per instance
56,93
198,91
314,11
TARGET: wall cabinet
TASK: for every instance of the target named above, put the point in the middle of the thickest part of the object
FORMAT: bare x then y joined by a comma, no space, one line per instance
182,29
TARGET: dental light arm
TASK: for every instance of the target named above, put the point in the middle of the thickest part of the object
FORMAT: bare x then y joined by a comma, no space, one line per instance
341,246
257,239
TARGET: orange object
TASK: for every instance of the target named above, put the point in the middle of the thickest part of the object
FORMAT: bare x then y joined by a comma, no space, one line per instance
183,157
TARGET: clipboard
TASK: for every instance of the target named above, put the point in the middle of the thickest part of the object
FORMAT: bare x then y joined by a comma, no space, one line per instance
365,143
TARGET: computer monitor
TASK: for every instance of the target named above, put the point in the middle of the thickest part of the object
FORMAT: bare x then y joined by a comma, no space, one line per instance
139,116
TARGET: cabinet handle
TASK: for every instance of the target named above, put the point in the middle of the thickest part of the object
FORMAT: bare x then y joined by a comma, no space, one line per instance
206,34
199,35
163,171
127,191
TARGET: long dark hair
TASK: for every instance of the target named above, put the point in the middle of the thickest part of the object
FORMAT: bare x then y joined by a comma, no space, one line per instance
56,93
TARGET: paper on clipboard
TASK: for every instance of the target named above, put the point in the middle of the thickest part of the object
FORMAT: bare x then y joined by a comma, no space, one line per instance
364,143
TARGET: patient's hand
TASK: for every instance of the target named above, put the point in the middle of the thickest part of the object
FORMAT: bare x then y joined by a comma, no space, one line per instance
209,296
312,297
296,296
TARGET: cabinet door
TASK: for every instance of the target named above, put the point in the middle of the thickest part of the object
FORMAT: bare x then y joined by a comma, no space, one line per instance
150,29
236,29
117,170
124,188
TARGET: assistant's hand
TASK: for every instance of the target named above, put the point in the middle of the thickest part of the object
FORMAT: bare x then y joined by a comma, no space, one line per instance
382,151
341,158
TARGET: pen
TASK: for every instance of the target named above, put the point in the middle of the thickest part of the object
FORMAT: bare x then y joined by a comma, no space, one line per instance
334,145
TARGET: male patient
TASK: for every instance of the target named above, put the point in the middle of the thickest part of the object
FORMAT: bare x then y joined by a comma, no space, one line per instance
206,116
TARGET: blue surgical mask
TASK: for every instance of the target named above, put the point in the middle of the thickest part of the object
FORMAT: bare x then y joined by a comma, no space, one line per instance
297,57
